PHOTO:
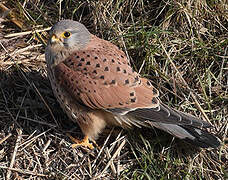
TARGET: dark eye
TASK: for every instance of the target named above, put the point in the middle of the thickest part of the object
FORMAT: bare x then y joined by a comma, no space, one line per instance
66,34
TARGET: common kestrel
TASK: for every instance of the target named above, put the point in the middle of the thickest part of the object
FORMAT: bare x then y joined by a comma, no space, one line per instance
96,86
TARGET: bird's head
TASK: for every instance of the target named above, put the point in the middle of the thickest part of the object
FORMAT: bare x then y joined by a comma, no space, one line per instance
66,36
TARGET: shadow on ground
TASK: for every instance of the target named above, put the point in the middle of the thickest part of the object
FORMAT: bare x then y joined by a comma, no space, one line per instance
26,99
27,102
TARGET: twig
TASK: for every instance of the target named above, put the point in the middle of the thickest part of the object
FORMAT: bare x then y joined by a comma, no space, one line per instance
186,84
26,49
49,109
27,143
112,164
5,138
39,122
101,150
19,131
46,145
118,165
111,160
26,33
23,171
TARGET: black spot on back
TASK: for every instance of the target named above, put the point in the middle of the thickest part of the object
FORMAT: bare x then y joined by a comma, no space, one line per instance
113,81
127,81
132,94
136,78
133,100
106,68
118,69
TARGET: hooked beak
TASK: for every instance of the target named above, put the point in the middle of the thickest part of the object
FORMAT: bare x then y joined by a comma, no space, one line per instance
54,39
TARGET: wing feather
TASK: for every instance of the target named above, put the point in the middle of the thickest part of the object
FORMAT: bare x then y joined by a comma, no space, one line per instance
103,79
100,77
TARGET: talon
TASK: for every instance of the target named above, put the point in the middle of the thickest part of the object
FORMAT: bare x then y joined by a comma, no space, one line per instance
85,142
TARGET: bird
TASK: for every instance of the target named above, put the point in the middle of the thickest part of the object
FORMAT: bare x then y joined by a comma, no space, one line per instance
96,86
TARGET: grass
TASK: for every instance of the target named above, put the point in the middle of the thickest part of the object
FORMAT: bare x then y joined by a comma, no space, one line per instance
180,45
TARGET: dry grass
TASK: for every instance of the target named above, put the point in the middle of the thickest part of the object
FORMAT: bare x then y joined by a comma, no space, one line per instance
180,45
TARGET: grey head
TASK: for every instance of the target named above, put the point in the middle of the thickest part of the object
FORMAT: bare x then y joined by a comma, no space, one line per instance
66,36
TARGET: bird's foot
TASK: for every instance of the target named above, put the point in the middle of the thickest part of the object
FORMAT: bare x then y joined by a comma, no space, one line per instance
85,142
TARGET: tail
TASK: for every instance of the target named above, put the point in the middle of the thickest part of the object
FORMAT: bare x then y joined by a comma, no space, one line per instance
195,136
178,124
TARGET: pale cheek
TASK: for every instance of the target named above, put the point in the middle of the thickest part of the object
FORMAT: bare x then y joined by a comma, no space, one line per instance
67,43
71,43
